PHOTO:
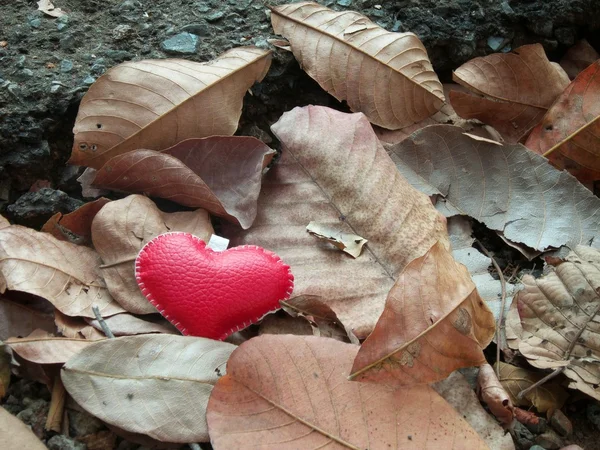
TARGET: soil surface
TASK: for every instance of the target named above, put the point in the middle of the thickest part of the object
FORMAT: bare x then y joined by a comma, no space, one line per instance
47,64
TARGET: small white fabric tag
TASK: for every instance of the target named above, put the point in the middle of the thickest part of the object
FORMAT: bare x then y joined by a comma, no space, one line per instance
218,243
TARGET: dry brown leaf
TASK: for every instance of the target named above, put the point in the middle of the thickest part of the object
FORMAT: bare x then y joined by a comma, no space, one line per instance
42,348
119,232
570,130
578,57
547,397
492,393
5,372
334,170
75,227
128,325
221,174
65,274
4,222
294,390
76,327
47,7
346,242
102,440
387,76
156,103
510,91
275,324
561,321
86,179
434,322
457,391
151,384
15,435
514,329
57,406
19,320
507,187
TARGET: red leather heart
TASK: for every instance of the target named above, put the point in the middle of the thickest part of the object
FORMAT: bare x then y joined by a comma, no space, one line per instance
207,293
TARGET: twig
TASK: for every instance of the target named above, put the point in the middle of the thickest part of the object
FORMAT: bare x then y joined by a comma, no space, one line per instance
575,133
538,383
500,323
102,323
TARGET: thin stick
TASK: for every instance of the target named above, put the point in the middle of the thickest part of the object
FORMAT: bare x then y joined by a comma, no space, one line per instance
103,324
500,323
541,381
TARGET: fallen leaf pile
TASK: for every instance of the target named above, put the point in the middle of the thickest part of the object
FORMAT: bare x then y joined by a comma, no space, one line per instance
390,294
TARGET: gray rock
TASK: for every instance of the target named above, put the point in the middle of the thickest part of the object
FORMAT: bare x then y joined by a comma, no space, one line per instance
62,23
593,414
215,16
23,74
536,447
199,29
118,55
561,423
81,423
181,44
541,27
121,32
35,208
89,80
549,440
523,437
565,35
68,42
98,69
61,442
495,42
35,23
66,65
538,428
344,2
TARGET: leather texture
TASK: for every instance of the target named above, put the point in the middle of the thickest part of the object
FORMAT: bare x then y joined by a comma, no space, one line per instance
207,293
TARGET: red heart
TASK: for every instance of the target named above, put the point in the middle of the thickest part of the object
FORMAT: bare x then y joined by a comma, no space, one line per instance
207,293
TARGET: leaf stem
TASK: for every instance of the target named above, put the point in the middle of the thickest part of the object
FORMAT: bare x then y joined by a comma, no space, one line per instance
569,137
109,334
541,381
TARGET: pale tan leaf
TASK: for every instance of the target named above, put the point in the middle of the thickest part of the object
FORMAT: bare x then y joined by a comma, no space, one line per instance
457,391
492,393
578,57
156,103
387,76
125,324
4,222
151,384
346,242
47,7
76,327
546,397
561,321
434,322
41,348
292,392
75,227
119,232
514,329
15,435
335,171
221,174
19,320
65,274
510,91
507,187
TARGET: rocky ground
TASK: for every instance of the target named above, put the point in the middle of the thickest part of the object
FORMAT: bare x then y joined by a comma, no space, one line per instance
47,64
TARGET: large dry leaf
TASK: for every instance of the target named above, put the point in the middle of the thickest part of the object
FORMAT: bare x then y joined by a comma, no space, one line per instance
572,128
66,274
292,392
561,320
119,232
578,57
151,384
75,227
19,320
221,174
76,327
510,91
41,348
4,223
457,391
128,325
387,76
434,322
15,435
335,171
507,187
156,103
547,397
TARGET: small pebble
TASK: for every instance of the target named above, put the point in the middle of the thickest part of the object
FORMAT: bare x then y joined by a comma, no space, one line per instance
344,2
549,440
181,44
66,66
35,23
213,17
561,423
89,80
495,42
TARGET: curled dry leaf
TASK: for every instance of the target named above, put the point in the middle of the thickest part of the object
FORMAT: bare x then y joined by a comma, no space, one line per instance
15,435
570,130
335,171
346,242
294,390
492,393
127,325
560,316
434,322
457,391
5,372
75,227
47,7
387,76
42,348
510,91
221,174
119,232
17,320
65,274
578,57
151,384
507,187
547,397
76,327
164,101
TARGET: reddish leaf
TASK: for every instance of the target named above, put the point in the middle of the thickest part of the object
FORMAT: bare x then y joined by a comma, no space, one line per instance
75,227
578,57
